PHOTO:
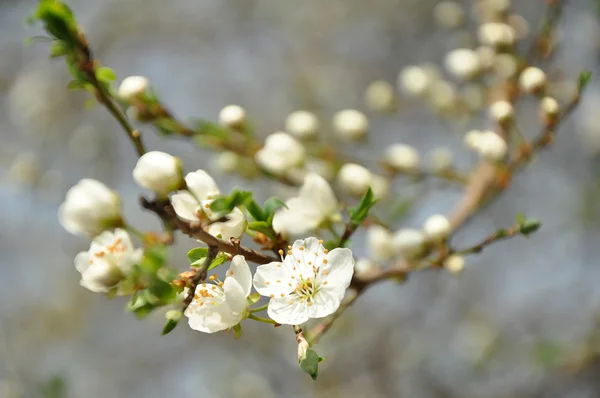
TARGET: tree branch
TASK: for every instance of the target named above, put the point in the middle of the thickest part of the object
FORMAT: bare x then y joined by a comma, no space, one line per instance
200,275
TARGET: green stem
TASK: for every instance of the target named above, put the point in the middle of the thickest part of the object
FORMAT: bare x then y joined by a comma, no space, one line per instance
258,309
261,319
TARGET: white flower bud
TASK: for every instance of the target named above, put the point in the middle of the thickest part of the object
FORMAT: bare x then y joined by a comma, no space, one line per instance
437,228
379,241
228,161
89,208
463,63
410,243
232,116
380,186
440,160
158,172
505,65
520,25
491,146
471,139
414,81
486,56
402,157
455,263
380,96
302,124
498,6
501,111
549,107
496,34
132,87
474,96
448,14
532,79
443,95
363,267
354,179
351,124
281,153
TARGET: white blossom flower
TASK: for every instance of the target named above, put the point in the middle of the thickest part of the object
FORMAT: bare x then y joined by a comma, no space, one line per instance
232,116
222,305
354,179
309,283
402,157
532,79
302,124
193,204
463,63
158,172
132,87
351,124
108,261
437,228
315,204
281,153
410,243
379,242
89,208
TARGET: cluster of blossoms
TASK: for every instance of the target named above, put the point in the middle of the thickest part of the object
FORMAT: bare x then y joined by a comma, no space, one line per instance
308,282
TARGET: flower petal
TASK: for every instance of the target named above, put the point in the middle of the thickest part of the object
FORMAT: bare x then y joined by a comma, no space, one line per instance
306,256
185,205
235,297
325,302
240,271
317,191
288,310
82,262
296,219
266,277
202,185
337,271
232,228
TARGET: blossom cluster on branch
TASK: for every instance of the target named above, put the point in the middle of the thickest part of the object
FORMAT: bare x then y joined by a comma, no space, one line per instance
305,272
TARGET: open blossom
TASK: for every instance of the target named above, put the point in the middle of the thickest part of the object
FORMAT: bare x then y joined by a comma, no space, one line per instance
194,204
109,259
309,283
314,205
222,305
89,208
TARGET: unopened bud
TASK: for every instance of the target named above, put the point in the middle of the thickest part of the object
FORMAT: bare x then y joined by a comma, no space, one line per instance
354,179
549,108
440,160
380,96
363,267
228,161
491,146
302,124
410,243
132,87
414,81
532,80
351,124
496,34
402,157
501,111
232,116
379,240
437,228
455,263
463,63
448,14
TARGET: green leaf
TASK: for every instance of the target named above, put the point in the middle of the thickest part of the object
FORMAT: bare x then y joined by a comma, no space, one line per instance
105,74
220,259
237,331
76,85
226,204
173,318
584,78
141,308
204,127
55,387
520,218
310,363
161,293
196,254
360,212
547,353
254,210
58,49
273,204
262,227
529,226
155,257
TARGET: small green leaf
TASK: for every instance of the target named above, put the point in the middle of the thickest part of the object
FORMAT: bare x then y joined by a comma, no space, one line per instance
197,254
253,298
161,292
220,259
204,127
237,331
273,204
547,353
310,363
155,258
58,49
262,227
226,204
76,85
105,74
529,226
254,210
173,318
360,212
141,308
520,218
584,78
501,233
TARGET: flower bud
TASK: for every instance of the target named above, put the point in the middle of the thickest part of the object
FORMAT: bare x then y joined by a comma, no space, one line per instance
414,81
228,161
463,63
351,124
520,25
302,124
437,228
281,153
532,80
354,179
486,56
472,138
410,243
379,241
491,146
89,208
448,14
501,111
232,116
440,160
549,108
132,87
380,96
159,172
496,34
363,268
505,65
380,186
455,263
402,157
442,95
474,96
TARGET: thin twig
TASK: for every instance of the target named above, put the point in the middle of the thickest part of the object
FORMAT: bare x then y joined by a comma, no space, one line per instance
200,275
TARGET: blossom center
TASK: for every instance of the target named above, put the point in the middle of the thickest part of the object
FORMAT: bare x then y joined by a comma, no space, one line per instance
306,289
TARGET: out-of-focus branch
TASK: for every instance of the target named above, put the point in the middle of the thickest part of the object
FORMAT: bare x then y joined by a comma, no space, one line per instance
165,211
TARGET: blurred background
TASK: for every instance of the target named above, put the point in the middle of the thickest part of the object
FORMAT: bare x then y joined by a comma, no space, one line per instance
521,321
